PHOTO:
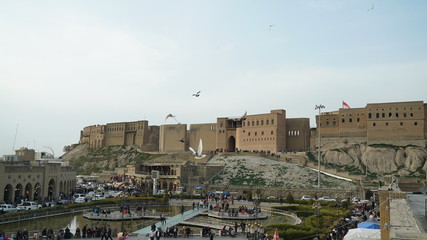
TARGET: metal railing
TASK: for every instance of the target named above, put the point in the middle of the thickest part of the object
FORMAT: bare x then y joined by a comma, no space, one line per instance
57,212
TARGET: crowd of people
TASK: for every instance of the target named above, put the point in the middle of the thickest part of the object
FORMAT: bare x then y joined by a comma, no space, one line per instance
362,212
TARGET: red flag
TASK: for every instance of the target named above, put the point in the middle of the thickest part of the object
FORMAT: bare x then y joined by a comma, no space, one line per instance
345,105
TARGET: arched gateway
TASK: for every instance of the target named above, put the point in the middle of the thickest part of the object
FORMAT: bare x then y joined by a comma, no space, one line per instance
231,144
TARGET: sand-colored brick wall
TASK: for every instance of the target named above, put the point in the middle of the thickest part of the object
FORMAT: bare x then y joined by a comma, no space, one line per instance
207,132
170,136
298,134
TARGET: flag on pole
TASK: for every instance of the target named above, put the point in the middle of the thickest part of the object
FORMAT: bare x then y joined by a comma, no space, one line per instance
345,105
276,234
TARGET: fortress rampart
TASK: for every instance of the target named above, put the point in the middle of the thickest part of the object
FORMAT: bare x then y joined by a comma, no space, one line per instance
399,123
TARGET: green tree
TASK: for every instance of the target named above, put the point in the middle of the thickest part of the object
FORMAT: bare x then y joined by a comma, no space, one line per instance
249,195
290,198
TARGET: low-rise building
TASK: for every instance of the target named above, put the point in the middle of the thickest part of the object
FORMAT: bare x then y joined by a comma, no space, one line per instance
23,181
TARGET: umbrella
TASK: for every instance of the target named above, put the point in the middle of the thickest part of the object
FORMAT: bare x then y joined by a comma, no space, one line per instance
276,234
371,225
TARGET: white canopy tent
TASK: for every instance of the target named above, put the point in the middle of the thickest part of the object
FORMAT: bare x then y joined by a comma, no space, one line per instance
362,233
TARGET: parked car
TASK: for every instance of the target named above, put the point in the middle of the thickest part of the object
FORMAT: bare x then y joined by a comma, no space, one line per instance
80,200
64,202
27,205
49,204
77,195
161,191
271,197
327,199
306,197
7,208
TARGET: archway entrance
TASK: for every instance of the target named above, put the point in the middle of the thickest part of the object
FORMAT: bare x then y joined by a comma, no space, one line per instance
51,190
231,144
28,192
37,191
18,192
7,194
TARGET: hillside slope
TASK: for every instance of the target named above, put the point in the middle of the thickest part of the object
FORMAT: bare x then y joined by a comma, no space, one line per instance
88,160
251,170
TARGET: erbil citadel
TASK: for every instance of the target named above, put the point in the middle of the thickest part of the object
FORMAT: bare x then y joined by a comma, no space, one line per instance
397,123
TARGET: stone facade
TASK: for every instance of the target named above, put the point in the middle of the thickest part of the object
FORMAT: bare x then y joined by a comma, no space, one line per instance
269,132
137,133
20,180
206,132
173,138
399,123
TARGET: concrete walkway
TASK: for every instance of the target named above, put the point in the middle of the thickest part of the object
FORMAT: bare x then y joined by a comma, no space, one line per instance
172,221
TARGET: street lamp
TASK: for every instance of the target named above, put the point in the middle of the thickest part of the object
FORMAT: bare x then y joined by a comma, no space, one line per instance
316,207
53,153
318,107
122,209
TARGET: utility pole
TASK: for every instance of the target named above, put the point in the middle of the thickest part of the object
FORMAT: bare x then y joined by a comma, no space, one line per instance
318,107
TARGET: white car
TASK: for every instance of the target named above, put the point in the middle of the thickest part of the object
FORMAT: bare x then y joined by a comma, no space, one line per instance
28,206
271,197
7,208
80,200
327,199
306,197
77,195
98,197
161,191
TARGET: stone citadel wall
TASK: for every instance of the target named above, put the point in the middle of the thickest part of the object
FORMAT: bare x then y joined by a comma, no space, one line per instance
400,123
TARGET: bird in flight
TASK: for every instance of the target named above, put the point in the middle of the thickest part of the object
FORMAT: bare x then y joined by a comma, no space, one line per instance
182,140
197,94
269,28
170,115
372,8
243,118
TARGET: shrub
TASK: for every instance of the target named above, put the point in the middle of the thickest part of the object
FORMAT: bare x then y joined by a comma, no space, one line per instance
283,227
290,198
304,213
295,234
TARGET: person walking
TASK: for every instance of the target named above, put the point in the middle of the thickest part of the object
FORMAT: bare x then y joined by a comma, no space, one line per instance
109,233
104,233
152,234
84,231
78,233
158,233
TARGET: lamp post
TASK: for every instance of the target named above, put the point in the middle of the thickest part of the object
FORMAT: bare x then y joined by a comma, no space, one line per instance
316,207
318,107
53,153
122,209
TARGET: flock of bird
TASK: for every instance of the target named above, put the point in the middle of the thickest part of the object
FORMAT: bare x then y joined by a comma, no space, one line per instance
197,94
199,153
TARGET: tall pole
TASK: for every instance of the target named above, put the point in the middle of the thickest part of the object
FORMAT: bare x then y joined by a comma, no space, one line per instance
319,107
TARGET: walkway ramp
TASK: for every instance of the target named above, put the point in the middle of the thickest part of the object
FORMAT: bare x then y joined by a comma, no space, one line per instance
172,221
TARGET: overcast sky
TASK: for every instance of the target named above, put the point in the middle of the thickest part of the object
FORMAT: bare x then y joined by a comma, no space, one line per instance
65,65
